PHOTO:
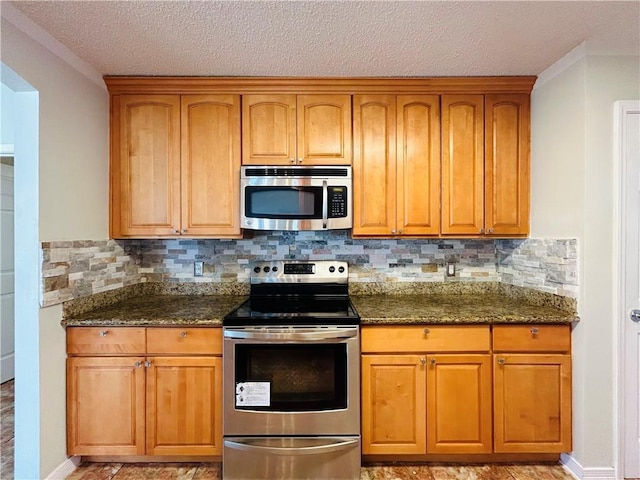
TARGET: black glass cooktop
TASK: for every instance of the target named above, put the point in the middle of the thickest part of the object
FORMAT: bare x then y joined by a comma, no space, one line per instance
290,310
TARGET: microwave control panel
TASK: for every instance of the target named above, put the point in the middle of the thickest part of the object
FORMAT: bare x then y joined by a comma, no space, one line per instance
337,202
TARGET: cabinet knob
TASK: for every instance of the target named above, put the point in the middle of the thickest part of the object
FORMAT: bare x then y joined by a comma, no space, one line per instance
183,334
393,232
300,160
147,363
534,331
427,331
183,231
175,232
432,361
490,231
400,232
103,333
137,364
482,231
292,160
501,361
423,361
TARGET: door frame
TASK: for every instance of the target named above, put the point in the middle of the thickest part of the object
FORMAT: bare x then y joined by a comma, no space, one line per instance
621,109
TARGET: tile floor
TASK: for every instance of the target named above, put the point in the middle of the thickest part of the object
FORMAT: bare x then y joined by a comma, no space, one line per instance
6,430
211,471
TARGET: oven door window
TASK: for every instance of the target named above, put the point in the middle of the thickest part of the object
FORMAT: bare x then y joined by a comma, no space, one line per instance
292,378
283,202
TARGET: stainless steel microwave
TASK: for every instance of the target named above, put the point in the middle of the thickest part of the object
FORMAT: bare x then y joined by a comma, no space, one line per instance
296,198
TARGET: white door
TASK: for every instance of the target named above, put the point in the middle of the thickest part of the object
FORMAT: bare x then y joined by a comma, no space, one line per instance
628,142
7,366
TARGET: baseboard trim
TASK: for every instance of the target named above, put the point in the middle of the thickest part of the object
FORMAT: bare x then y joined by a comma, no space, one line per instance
65,469
574,467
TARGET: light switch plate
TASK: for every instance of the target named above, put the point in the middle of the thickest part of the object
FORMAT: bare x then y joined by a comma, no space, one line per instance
451,269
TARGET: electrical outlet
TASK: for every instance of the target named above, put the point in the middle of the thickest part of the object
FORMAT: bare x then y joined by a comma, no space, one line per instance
198,268
451,269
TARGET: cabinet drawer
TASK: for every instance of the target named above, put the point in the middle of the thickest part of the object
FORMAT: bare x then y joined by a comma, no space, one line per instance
531,338
172,340
105,340
426,338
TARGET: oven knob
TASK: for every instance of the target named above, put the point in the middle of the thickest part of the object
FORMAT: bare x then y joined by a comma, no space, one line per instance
266,269
332,269
274,269
256,269
341,269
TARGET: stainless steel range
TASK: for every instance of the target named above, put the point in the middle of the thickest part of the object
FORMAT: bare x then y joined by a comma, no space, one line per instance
292,376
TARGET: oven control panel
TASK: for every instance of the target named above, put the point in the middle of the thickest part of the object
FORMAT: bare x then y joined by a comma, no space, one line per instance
299,271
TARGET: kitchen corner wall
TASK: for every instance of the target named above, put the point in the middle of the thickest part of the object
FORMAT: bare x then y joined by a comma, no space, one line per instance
75,269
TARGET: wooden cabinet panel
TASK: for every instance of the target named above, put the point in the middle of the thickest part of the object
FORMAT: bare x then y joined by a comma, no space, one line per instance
149,165
324,129
106,340
105,406
532,338
532,403
393,404
440,338
171,340
296,129
374,164
268,129
210,165
459,416
462,164
396,177
418,161
507,164
184,410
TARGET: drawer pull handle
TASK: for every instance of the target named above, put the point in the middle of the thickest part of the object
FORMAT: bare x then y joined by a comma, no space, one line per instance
103,333
427,331
183,334
137,364
534,331
432,361
501,361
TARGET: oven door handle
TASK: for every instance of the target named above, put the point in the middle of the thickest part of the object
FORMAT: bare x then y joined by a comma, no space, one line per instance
293,451
287,336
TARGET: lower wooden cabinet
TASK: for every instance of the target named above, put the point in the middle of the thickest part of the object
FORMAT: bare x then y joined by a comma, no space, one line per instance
466,389
144,404
532,389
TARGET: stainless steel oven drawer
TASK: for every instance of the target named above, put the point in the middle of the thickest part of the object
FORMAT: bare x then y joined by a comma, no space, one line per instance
291,458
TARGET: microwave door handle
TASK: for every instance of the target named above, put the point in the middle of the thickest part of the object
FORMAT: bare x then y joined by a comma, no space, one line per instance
325,204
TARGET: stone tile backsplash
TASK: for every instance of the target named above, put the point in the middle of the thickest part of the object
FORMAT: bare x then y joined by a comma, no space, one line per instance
75,269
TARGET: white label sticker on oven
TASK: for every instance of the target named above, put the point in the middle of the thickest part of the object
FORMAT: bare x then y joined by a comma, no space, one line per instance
253,394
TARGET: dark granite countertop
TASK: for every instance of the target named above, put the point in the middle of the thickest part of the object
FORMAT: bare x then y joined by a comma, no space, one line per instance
159,310
487,308
407,309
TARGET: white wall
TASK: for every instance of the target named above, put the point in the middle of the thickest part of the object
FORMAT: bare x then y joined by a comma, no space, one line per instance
572,196
73,199
6,112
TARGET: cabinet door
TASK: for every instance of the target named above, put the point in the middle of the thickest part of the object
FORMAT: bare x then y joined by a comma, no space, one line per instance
211,165
462,164
268,129
105,406
532,403
324,129
184,406
418,164
146,166
393,404
374,165
507,164
459,404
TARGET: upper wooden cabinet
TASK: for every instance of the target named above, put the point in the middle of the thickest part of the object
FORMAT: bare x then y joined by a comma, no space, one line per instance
296,129
485,165
175,165
396,165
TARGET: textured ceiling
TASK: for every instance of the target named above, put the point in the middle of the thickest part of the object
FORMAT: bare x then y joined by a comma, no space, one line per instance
334,38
